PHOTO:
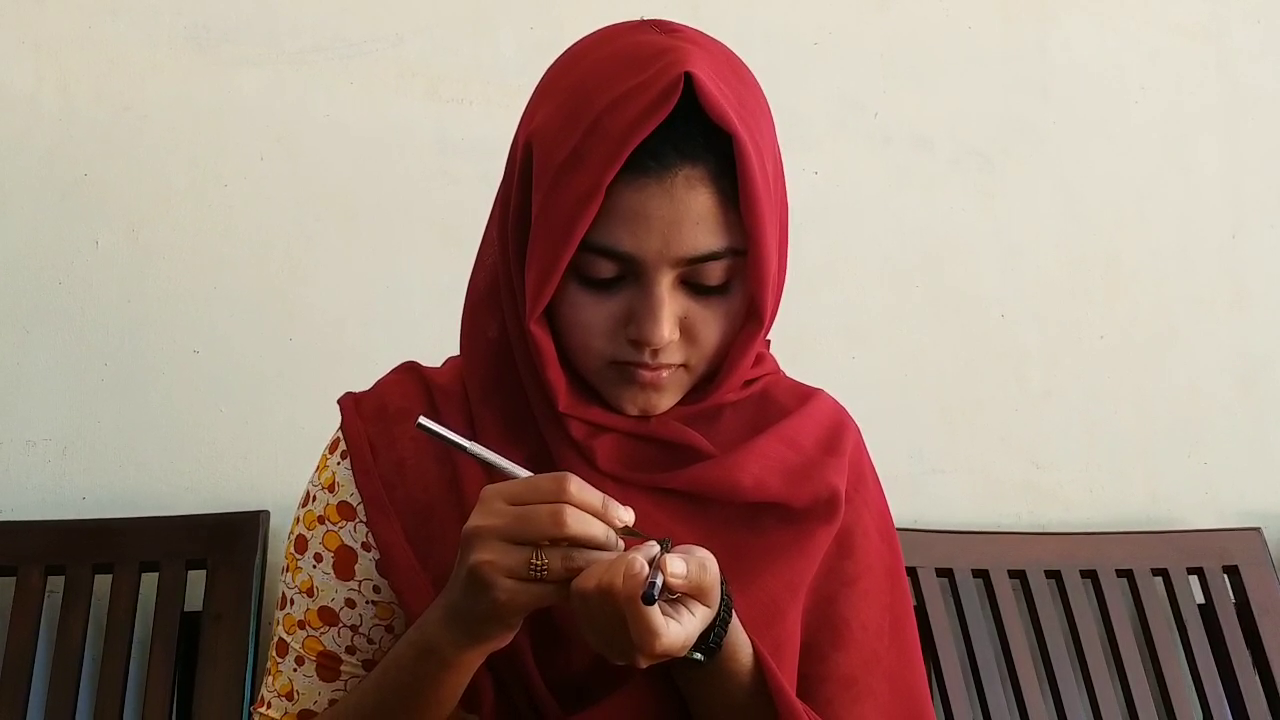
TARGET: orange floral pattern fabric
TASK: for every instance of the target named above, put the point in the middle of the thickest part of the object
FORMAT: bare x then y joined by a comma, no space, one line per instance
336,618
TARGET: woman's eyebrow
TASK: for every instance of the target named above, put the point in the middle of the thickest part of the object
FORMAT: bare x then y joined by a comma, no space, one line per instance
619,256
724,253
590,247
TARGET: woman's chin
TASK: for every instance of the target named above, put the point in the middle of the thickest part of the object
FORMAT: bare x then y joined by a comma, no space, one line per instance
643,404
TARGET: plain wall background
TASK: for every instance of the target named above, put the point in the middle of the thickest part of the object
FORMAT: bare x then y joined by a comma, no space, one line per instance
1034,243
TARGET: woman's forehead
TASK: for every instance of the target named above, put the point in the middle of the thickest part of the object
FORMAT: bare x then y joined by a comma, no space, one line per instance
682,219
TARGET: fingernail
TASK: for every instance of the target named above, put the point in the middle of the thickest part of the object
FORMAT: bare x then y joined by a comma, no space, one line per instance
676,567
626,516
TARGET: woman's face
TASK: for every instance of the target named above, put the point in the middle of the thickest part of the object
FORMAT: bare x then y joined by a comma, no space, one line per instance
655,294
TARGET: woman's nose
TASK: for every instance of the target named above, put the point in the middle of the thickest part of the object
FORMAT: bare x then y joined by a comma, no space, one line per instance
654,321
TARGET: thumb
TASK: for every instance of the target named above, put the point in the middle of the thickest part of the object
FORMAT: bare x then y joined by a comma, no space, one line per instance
697,576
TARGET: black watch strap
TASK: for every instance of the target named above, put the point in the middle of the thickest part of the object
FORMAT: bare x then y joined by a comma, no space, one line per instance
711,640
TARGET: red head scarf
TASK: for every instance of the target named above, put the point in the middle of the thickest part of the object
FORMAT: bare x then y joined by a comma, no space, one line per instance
770,475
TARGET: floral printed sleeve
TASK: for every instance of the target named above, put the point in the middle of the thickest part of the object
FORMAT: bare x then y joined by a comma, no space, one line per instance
335,617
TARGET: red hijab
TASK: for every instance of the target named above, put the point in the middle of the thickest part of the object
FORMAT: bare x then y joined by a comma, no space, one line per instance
770,475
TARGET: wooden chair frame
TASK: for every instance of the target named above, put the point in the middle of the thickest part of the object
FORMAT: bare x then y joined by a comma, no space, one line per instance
1101,625
229,547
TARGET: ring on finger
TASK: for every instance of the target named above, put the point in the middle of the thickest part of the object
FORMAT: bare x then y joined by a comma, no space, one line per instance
539,565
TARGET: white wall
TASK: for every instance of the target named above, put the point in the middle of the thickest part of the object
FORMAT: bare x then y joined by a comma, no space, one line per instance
1048,231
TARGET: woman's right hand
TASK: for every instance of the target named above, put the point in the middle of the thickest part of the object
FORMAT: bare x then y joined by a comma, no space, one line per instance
492,588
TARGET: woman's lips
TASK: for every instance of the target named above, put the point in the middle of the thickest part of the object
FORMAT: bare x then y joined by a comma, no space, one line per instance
649,374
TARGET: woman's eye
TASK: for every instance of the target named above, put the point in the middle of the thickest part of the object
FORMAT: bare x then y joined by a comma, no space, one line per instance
706,290
599,284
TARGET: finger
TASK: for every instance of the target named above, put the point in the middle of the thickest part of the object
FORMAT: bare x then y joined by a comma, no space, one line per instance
538,594
563,564
592,598
645,623
563,487
647,551
696,575
555,523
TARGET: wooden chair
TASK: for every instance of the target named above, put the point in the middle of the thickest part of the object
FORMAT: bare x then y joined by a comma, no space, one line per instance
205,661
1106,626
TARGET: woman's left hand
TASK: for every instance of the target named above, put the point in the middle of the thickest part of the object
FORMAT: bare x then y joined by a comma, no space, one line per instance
606,600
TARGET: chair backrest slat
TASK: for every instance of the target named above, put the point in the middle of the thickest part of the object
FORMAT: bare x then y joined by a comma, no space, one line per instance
1058,668
950,678
1109,626
68,648
1202,667
1018,648
1168,664
1258,611
18,666
1080,618
224,634
170,596
991,699
1227,622
1129,668
117,641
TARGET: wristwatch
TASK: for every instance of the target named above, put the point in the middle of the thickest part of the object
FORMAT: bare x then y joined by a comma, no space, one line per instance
708,644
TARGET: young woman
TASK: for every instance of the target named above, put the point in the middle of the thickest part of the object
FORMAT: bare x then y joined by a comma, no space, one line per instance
613,341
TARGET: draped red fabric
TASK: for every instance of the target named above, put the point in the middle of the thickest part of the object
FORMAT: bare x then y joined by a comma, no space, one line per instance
770,475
